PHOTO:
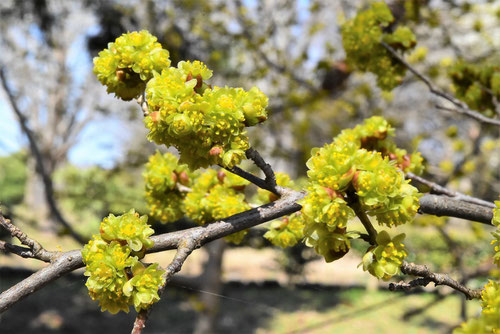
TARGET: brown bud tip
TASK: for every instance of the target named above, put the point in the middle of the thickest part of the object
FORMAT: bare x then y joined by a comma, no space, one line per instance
273,197
199,81
340,230
329,191
155,116
392,156
121,75
355,180
174,177
337,255
284,223
332,193
221,175
406,161
216,150
238,188
380,135
184,178
189,77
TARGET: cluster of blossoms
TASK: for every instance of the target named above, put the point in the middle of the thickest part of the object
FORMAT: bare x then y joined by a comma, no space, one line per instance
116,276
331,244
206,124
359,168
162,176
173,191
128,63
216,195
477,85
287,231
361,37
383,261
489,320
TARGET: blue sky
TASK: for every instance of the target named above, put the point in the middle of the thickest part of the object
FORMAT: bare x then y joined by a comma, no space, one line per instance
100,142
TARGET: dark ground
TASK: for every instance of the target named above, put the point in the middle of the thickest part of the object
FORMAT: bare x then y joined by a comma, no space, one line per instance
65,307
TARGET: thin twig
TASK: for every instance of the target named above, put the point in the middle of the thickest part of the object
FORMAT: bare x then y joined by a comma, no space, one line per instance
24,252
37,250
266,168
463,108
184,249
438,189
269,183
472,114
426,277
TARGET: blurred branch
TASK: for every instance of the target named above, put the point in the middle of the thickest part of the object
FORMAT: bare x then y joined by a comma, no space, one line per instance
247,33
462,106
426,277
471,113
438,189
40,167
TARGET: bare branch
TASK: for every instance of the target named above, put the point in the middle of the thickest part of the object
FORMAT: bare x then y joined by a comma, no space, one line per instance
72,260
184,249
372,232
269,183
446,206
287,204
477,116
18,250
35,248
40,167
266,168
65,263
426,277
438,189
463,108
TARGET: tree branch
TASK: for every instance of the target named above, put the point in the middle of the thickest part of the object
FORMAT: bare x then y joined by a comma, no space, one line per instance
372,232
472,114
438,189
269,183
463,108
440,205
40,167
69,261
426,277
35,250
184,249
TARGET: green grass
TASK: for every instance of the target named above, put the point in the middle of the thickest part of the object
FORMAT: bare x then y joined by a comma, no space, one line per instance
360,311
